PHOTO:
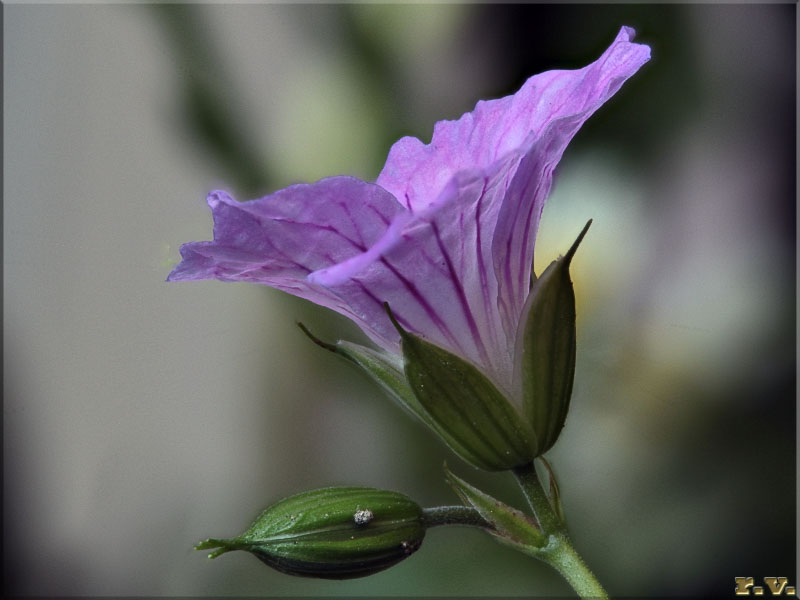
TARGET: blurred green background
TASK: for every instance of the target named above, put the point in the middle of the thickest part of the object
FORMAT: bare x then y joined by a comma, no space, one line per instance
140,417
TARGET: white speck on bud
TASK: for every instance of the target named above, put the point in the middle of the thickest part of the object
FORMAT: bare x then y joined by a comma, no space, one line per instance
363,516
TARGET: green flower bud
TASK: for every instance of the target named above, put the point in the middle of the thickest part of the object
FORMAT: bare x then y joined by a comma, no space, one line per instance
333,533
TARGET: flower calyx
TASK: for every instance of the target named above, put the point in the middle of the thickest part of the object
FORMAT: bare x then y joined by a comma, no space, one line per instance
464,406
450,395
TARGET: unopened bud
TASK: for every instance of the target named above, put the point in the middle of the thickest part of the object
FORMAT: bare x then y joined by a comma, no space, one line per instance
333,533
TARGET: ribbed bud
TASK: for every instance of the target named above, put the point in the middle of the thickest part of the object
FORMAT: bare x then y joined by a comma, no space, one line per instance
332,533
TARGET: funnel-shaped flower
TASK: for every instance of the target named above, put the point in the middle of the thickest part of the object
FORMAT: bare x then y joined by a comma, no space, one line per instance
445,235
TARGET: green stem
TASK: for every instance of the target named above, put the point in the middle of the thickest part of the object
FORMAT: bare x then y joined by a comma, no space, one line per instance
558,552
560,555
453,515
534,492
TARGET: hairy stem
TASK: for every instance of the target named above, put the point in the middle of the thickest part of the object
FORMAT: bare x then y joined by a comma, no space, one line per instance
536,496
453,515
560,555
559,552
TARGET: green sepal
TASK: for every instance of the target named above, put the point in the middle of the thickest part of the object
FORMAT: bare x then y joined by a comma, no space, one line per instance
383,368
464,406
331,533
553,492
387,371
510,526
545,350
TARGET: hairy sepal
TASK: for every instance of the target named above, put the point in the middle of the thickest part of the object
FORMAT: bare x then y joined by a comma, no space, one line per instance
464,404
545,350
509,525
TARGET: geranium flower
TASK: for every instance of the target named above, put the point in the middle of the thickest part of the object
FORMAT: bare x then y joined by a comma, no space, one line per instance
445,235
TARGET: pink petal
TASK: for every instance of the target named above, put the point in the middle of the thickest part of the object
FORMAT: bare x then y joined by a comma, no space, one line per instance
281,238
479,188
447,235
416,173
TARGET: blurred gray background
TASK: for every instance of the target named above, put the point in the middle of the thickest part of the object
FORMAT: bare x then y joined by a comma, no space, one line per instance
141,417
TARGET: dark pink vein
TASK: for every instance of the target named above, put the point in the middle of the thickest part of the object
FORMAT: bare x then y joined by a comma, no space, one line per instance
423,302
346,210
462,298
523,262
381,216
509,280
329,228
479,253
371,295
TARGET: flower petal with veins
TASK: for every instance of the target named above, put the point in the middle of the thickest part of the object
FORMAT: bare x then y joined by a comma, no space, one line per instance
445,235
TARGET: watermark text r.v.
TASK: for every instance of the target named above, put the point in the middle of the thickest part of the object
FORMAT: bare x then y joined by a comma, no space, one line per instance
778,586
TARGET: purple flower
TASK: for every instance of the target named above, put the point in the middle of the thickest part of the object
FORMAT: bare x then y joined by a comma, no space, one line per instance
446,233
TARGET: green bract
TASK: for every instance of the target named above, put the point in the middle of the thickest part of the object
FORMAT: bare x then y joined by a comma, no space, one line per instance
449,395
509,526
332,533
383,368
545,350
